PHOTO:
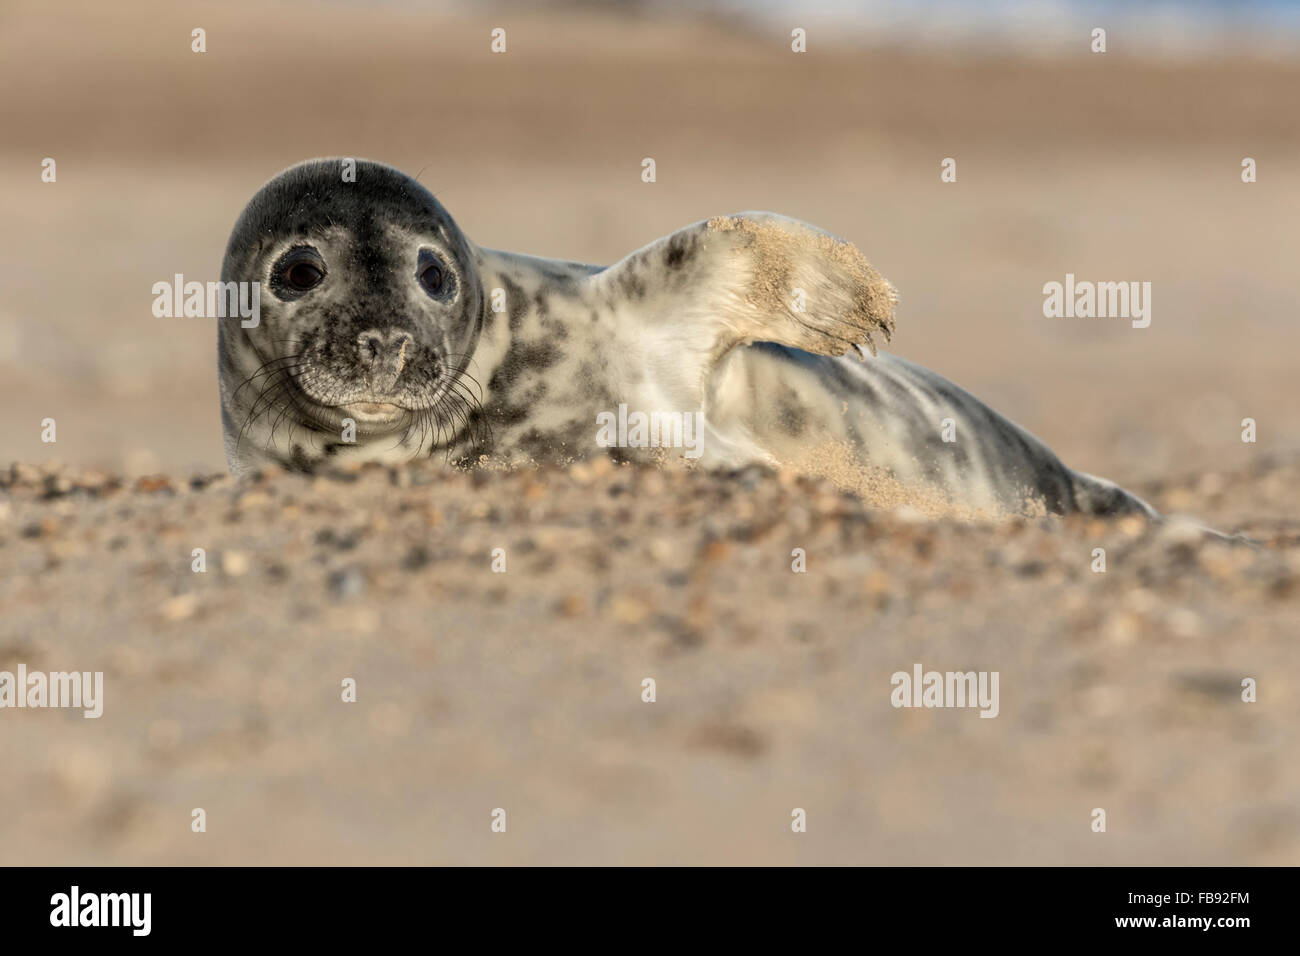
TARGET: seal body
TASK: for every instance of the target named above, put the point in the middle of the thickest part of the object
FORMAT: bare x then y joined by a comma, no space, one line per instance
388,335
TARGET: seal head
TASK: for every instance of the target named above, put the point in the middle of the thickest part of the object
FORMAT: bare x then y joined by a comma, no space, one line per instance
371,306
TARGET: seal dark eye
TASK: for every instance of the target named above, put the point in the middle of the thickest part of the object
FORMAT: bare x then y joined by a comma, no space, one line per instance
302,276
433,276
297,272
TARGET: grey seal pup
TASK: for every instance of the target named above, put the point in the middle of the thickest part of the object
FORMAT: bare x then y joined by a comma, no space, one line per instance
385,334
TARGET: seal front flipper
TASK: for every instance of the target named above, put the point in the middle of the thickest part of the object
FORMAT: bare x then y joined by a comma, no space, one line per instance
754,277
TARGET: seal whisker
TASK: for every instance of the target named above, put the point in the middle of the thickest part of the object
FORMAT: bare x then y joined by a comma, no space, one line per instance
474,411
264,369
264,401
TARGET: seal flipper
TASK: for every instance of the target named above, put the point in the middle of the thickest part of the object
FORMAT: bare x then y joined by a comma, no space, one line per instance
755,277
1097,496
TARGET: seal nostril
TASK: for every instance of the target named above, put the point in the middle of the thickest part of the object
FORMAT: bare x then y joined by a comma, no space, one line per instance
384,354
383,346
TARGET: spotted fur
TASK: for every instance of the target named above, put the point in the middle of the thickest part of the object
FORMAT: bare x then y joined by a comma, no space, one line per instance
763,325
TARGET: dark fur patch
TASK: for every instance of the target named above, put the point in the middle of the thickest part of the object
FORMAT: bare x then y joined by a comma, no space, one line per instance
521,357
516,303
547,446
557,329
630,282
299,461
791,416
681,250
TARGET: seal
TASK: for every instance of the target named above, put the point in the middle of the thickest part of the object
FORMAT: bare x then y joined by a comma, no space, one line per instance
388,335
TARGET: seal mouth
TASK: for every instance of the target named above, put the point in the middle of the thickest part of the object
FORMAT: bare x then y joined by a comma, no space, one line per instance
378,412
370,417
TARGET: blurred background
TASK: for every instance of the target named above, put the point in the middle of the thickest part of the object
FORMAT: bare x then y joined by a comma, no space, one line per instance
1122,166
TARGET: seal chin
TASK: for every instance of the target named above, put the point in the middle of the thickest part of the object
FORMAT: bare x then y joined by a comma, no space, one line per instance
370,418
